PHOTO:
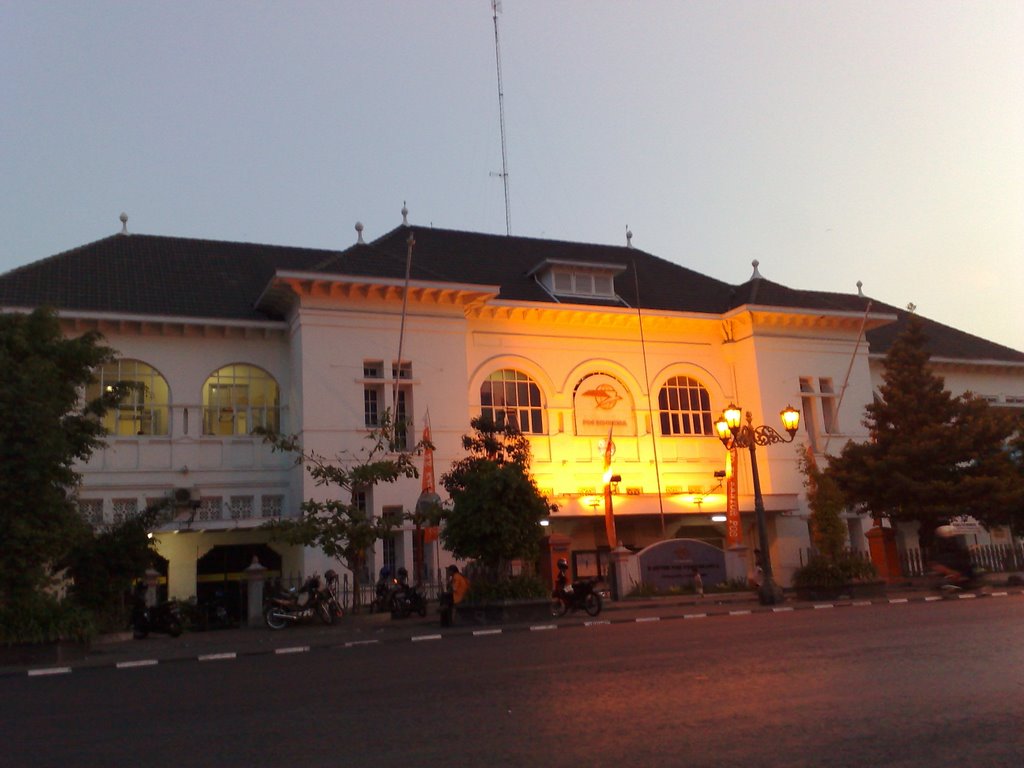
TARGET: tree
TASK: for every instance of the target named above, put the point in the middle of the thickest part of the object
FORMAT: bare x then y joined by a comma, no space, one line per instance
104,566
496,507
930,454
343,528
45,427
826,503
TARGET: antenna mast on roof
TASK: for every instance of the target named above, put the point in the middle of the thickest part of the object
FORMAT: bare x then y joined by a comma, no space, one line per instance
495,7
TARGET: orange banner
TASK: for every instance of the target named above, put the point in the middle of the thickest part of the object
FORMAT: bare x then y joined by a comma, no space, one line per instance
733,529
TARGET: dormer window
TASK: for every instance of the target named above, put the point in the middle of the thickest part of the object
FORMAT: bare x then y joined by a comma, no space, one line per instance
571,279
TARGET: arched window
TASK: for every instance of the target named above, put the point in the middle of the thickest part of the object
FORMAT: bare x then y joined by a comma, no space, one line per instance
509,395
239,398
685,407
145,409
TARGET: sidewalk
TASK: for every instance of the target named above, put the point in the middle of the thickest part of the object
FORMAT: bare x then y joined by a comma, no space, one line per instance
122,651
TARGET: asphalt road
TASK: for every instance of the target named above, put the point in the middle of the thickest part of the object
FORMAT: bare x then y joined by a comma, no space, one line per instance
937,684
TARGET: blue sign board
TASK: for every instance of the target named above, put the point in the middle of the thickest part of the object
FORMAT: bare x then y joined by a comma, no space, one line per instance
670,563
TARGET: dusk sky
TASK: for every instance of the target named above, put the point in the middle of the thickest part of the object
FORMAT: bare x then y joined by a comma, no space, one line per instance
832,141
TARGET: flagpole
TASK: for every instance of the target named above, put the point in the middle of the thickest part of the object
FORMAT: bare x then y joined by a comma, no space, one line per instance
410,241
650,406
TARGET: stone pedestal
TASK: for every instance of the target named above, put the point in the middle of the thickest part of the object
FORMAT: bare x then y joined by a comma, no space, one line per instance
884,555
552,548
152,578
737,565
254,574
625,572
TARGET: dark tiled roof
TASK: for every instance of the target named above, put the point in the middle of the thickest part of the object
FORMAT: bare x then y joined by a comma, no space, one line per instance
181,277
941,341
150,275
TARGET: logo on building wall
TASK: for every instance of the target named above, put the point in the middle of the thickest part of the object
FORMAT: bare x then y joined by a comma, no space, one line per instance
600,403
605,397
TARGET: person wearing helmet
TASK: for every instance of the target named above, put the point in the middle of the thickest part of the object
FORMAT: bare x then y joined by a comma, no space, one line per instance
382,589
563,575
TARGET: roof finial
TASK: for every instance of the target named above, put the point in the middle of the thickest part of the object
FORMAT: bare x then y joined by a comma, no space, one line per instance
860,288
124,223
757,275
405,215
629,237
359,232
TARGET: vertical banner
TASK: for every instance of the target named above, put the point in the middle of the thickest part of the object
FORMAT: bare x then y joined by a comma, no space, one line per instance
733,530
428,490
609,515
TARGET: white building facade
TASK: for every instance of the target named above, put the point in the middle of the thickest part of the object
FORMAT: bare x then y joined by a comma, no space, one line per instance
572,341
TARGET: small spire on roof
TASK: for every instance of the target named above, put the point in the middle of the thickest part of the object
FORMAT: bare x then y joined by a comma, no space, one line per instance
359,232
124,223
757,275
860,288
405,215
629,237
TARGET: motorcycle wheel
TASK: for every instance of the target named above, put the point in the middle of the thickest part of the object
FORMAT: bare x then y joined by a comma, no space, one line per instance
274,618
323,610
173,627
140,633
421,607
592,604
399,608
558,606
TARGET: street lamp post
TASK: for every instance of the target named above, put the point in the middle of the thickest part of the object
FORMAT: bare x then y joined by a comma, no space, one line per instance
733,433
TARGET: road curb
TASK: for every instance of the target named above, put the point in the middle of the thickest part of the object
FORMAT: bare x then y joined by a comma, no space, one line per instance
720,610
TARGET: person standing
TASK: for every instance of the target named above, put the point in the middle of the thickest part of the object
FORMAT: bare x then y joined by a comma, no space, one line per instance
458,586
698,582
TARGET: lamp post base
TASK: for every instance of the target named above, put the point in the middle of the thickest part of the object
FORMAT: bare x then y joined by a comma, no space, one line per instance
770,593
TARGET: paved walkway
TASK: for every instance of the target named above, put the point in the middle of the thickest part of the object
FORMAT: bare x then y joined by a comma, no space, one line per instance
123,652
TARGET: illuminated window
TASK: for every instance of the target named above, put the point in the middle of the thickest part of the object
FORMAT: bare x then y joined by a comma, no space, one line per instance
144,409
684,407
512,396
239,398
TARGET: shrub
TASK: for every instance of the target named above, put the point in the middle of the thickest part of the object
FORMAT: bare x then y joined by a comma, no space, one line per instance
522,587
820,571
42,619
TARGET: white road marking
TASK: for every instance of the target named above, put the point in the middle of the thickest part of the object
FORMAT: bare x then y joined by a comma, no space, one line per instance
218,656
141,663
293,649
49,671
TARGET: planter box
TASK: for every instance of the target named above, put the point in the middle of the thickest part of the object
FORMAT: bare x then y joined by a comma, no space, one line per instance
855,590
504,611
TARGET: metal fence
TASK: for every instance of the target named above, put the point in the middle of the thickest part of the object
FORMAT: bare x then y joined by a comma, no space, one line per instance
994,558
997,558
806,553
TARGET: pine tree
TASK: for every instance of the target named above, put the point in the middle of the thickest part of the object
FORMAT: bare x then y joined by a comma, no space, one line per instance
931,456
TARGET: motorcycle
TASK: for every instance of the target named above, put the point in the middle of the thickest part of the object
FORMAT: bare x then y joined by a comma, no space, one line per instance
297,605
572,597
330,594
406,600
163,617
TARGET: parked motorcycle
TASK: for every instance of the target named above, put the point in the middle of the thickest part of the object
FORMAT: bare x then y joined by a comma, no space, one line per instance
163,617
298,605
331,594
382,591
407,600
